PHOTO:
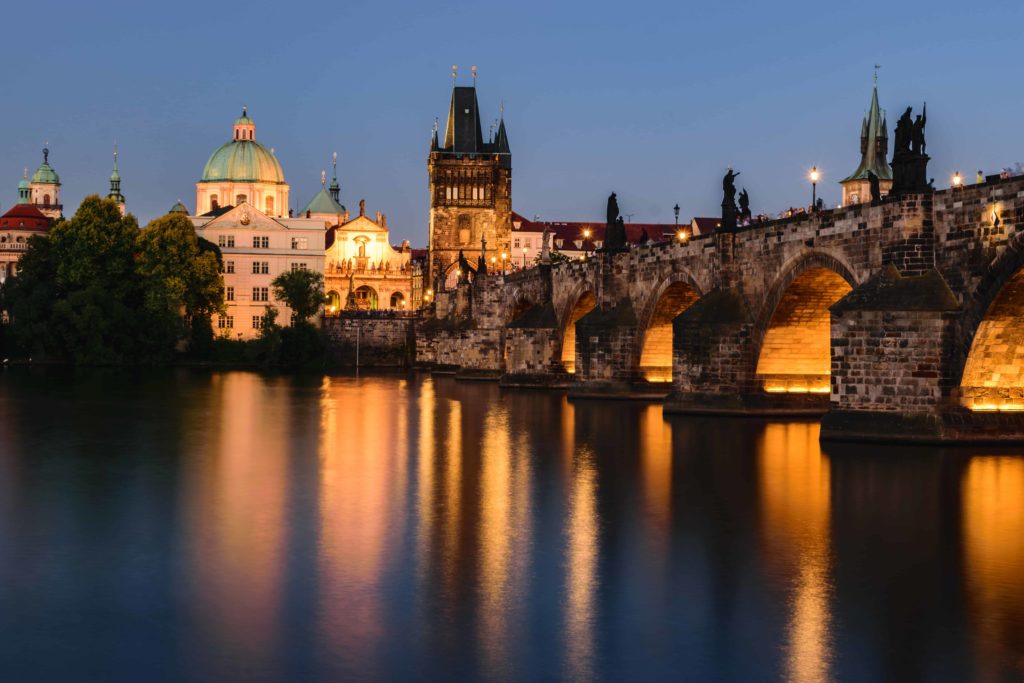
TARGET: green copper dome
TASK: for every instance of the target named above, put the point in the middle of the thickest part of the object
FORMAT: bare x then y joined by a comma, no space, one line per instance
243,161
45,173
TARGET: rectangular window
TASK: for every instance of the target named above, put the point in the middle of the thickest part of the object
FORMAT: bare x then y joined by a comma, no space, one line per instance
229,266
298,266
225,240
230,294
260,267
225,322
265,267
300,243
260,294
257,322
448,193
515,243
260,242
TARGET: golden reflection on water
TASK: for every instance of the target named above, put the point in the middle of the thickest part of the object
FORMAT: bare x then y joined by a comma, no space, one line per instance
235,501
656,462
363,476
794,483
582,579
504,536
993,520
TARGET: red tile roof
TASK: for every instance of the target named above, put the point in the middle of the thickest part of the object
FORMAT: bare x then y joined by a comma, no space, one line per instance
570,231
24,217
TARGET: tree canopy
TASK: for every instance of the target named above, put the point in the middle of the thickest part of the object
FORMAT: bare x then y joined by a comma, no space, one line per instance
302,290
98,290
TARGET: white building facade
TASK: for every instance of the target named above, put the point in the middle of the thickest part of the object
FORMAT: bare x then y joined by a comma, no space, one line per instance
256,249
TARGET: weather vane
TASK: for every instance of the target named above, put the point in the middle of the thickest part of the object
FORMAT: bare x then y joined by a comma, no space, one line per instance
455,73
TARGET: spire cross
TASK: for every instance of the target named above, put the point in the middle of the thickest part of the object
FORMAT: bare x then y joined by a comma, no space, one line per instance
877,67
455,73
323,178
473,71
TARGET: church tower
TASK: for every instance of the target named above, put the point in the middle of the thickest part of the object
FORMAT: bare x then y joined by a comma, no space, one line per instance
874,148
45,189
470,189
115,186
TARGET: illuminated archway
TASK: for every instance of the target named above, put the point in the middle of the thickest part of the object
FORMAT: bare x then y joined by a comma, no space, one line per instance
796,351
993,377
656,351
585,303
333,302
366,298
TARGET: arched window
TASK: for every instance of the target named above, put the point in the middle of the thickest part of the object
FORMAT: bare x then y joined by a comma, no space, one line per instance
465,225
46,200
333,301
397,300
214,204
366,298
269,202
239,198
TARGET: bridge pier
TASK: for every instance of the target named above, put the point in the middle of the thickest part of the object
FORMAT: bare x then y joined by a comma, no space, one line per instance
895,351
607,349
714,359
532,351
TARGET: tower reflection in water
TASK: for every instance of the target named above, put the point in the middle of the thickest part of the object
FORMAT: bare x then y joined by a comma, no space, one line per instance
418,528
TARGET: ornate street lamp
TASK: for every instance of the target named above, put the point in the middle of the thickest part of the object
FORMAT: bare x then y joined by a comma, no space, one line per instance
958,180
814,187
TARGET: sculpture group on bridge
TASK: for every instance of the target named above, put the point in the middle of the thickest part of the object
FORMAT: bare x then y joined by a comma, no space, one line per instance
909,160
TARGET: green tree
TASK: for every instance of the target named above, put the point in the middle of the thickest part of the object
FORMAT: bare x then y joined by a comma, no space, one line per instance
302,290
180,280
98,290
96,295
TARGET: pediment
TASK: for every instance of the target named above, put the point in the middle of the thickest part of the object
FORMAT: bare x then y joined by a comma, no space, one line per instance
245,216
362,224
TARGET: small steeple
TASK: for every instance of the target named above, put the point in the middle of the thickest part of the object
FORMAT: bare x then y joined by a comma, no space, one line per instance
115,184
24,189
335,188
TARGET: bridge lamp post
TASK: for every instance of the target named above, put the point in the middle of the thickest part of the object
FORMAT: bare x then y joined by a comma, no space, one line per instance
957,181
504,257
525,250
586,238
814,187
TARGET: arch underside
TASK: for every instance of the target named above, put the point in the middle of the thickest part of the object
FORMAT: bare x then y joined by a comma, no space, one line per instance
656,354
584,304
993,377
796,354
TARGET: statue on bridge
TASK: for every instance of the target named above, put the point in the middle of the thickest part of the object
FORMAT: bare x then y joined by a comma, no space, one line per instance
729,209
876,189
745,214
909,160
615,229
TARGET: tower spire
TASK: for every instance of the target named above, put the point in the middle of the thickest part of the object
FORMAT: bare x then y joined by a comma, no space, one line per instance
335,188
115,185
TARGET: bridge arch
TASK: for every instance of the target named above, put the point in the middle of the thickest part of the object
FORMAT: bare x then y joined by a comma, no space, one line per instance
991,372
792,334
673,295
582,301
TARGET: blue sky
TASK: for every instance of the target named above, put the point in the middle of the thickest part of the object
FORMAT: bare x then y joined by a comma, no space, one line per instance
650,99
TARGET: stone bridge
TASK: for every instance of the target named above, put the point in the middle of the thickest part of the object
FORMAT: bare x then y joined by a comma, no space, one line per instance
899,319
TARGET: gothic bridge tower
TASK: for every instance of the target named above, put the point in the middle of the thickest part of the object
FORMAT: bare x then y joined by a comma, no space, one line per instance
470,188
874,148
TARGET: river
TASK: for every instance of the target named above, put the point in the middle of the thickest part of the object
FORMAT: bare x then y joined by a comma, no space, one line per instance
184,525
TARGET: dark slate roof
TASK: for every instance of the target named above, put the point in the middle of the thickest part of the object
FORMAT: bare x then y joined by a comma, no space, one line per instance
890,291
463,133
218,212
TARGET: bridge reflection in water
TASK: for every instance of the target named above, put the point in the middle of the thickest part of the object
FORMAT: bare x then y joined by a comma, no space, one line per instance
236,526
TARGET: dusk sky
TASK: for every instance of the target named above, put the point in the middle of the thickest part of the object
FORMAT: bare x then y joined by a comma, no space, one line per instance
651,100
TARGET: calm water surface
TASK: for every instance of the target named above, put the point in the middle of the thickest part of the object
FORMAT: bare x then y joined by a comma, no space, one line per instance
233,527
